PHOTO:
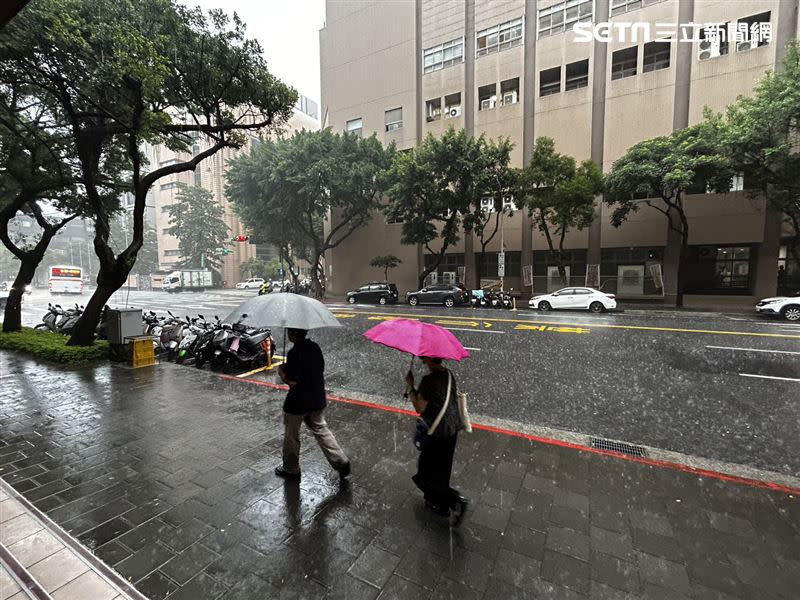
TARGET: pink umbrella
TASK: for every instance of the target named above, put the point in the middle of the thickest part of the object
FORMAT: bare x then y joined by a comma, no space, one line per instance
418,339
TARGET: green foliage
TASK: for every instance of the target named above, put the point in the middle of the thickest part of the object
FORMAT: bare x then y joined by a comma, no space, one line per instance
559,194
196,220
255,267
52,347
389,261
121,233
439,183
761,134
286,190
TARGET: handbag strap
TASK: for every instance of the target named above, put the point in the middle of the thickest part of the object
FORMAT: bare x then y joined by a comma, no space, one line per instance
439,417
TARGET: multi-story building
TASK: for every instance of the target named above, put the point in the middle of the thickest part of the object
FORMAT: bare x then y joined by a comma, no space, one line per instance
516,68
210,174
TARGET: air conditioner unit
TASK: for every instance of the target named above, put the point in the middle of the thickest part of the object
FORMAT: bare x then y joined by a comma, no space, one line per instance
487,103
746,45
454,111
431,279
709,48
509,98
449,277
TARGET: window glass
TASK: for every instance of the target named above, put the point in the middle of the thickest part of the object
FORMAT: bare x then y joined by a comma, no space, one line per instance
499,37
442,56
394,119
623,62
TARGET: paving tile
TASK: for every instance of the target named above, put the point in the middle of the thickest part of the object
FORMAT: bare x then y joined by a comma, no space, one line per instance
88,585
9,509
617,573
185,534
570,518
144,561
664,573
468,568
18,528
566,571
58,569
156,586
251,587
188,563
516,569
447,589
569,542
498,589
104,533
612,542
654,592
490,516
398,588
112,553
423,568
601,591
30,550
201,586
350,588
8,587
374,566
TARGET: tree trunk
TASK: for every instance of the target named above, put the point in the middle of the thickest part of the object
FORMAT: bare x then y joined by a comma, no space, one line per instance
317,287
12,318
386,274
83,333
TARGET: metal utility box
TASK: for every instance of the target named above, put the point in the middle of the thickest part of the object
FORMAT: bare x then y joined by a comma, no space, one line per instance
124,323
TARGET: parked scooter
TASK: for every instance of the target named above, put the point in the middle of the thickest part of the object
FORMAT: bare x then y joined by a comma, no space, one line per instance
188,345
249,348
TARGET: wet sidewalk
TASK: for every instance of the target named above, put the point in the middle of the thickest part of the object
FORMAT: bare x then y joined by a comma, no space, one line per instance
166,475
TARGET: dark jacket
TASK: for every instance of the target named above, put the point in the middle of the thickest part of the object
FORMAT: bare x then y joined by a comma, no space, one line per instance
433,389
305,365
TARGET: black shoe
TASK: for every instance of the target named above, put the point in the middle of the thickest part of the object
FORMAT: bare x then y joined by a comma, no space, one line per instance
458,511
281,472
442,512
344,470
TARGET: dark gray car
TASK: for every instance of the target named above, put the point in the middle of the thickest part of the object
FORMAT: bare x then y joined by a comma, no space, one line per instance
382,293
445,294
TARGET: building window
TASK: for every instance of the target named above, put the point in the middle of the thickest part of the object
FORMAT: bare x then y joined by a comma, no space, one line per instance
713,41
623,62
394,119
719,269
169,186
165,209
656,56
486,264
443,55
172,253
452,105
550,81
488,204
166,231
433,110
500,37
509,91
622,6
753,32
487,96
577,75
354,126
563,16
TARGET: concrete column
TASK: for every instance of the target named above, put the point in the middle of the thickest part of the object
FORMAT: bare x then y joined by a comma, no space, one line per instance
469,123
528,122
419,109
599,79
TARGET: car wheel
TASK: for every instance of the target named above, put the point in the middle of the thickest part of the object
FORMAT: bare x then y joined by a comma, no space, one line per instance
352,299
597,307
544,306
448,302
791,313
382,300
413,301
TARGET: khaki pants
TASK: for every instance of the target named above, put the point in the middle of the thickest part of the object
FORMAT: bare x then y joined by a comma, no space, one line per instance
291,440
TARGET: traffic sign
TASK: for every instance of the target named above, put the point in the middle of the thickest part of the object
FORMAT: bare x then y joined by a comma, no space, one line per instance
501,264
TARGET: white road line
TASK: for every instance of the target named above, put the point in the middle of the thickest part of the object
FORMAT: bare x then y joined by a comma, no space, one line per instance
769,377
753,350
473,330
468,348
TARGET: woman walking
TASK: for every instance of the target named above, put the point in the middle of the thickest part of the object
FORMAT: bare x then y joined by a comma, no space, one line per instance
435,401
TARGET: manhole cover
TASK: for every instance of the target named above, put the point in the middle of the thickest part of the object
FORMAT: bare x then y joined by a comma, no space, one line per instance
620,447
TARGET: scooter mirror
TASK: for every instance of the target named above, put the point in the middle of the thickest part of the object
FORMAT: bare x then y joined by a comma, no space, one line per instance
170,313
202,317
244,316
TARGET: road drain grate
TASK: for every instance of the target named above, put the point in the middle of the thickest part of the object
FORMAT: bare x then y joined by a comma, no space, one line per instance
620,447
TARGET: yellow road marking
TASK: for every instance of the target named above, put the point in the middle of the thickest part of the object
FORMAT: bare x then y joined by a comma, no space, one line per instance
275,365
783,336
487,325
389,317
464,323
550,328
343,316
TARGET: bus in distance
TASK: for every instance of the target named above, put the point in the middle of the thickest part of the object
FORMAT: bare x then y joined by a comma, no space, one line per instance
65,279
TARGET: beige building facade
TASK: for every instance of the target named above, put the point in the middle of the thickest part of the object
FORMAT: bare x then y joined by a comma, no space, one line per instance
404,69
210,174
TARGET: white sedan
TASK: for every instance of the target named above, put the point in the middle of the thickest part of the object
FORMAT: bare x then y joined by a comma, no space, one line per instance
786,306
253,283
582,298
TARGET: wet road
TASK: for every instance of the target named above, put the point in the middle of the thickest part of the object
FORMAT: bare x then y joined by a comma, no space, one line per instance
724,387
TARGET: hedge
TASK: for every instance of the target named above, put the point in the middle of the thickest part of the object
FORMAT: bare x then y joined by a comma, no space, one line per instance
52,346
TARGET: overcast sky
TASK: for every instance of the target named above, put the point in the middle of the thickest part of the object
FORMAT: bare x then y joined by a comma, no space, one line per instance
288,31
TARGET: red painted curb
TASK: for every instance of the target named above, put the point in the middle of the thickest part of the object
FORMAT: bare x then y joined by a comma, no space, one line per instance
757,483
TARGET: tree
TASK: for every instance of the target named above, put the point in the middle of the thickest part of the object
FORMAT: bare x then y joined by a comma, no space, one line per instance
196,220
147,257
390,261
760,133
434,186
659,173
309,193
559,195
255,267
116,74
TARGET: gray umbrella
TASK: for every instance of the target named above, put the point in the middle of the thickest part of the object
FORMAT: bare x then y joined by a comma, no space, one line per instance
283,310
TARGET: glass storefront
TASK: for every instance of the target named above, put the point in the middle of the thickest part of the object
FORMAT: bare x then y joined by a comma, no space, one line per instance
720,270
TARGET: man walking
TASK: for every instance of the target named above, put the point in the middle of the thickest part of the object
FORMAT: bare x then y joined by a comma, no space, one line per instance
305,401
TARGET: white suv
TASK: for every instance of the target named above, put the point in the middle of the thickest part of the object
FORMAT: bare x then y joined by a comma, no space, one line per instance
252,283
785,306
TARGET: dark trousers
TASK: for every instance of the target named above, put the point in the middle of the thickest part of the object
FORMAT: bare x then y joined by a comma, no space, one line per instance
434,469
